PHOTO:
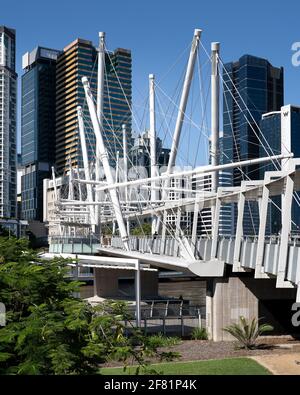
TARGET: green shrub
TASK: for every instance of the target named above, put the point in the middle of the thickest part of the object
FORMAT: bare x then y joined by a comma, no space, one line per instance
199,334
49,331
142,230
162,341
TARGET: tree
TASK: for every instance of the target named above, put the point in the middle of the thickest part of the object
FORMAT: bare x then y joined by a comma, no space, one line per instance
4,231
48,330
13,249
247,332
142,230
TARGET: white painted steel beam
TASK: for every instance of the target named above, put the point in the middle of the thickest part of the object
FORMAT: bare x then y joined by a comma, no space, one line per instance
239,232
215,228
195,172
286,217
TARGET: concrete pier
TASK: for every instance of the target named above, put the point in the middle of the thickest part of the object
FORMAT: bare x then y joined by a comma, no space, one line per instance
235,296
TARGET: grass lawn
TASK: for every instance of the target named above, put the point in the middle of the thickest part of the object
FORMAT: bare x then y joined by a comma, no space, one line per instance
235,366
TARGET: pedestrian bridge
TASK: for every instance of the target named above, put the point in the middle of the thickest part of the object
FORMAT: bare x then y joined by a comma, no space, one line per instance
244,254
276,257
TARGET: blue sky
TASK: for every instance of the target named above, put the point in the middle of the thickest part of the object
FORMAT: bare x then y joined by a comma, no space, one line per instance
157,31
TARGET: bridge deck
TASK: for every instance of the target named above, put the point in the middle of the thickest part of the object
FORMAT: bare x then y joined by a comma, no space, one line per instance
201,268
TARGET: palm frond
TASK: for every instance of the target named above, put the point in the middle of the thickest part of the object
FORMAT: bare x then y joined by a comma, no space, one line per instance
247,332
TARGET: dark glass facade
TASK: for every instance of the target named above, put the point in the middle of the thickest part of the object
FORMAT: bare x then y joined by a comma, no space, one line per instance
251,83
271,127
295,131
37,128
117,100
295,149
8,123
260,86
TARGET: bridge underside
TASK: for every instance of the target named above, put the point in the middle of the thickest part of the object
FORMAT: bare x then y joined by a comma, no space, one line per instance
205,269
240,254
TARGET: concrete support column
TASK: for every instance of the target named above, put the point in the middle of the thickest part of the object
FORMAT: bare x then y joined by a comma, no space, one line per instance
209,308
230,300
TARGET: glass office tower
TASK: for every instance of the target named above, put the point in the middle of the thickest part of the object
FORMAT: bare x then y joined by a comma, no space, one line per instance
251,83
8,124
77,60
270,126
281,129
260,88
140,153
37,128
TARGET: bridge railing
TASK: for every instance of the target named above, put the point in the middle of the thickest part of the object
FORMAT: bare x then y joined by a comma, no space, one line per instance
148,244
168,317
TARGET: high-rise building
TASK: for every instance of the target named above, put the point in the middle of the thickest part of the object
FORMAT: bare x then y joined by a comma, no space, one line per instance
8,123
252,87
37,127
281,130
139,154
77,60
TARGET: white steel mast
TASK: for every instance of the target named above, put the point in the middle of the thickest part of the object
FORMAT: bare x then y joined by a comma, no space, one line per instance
70,192
153,154
117,180
86,165
100,75
215,120
181,115
100,94
184,99
215,111
104,159
125,169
